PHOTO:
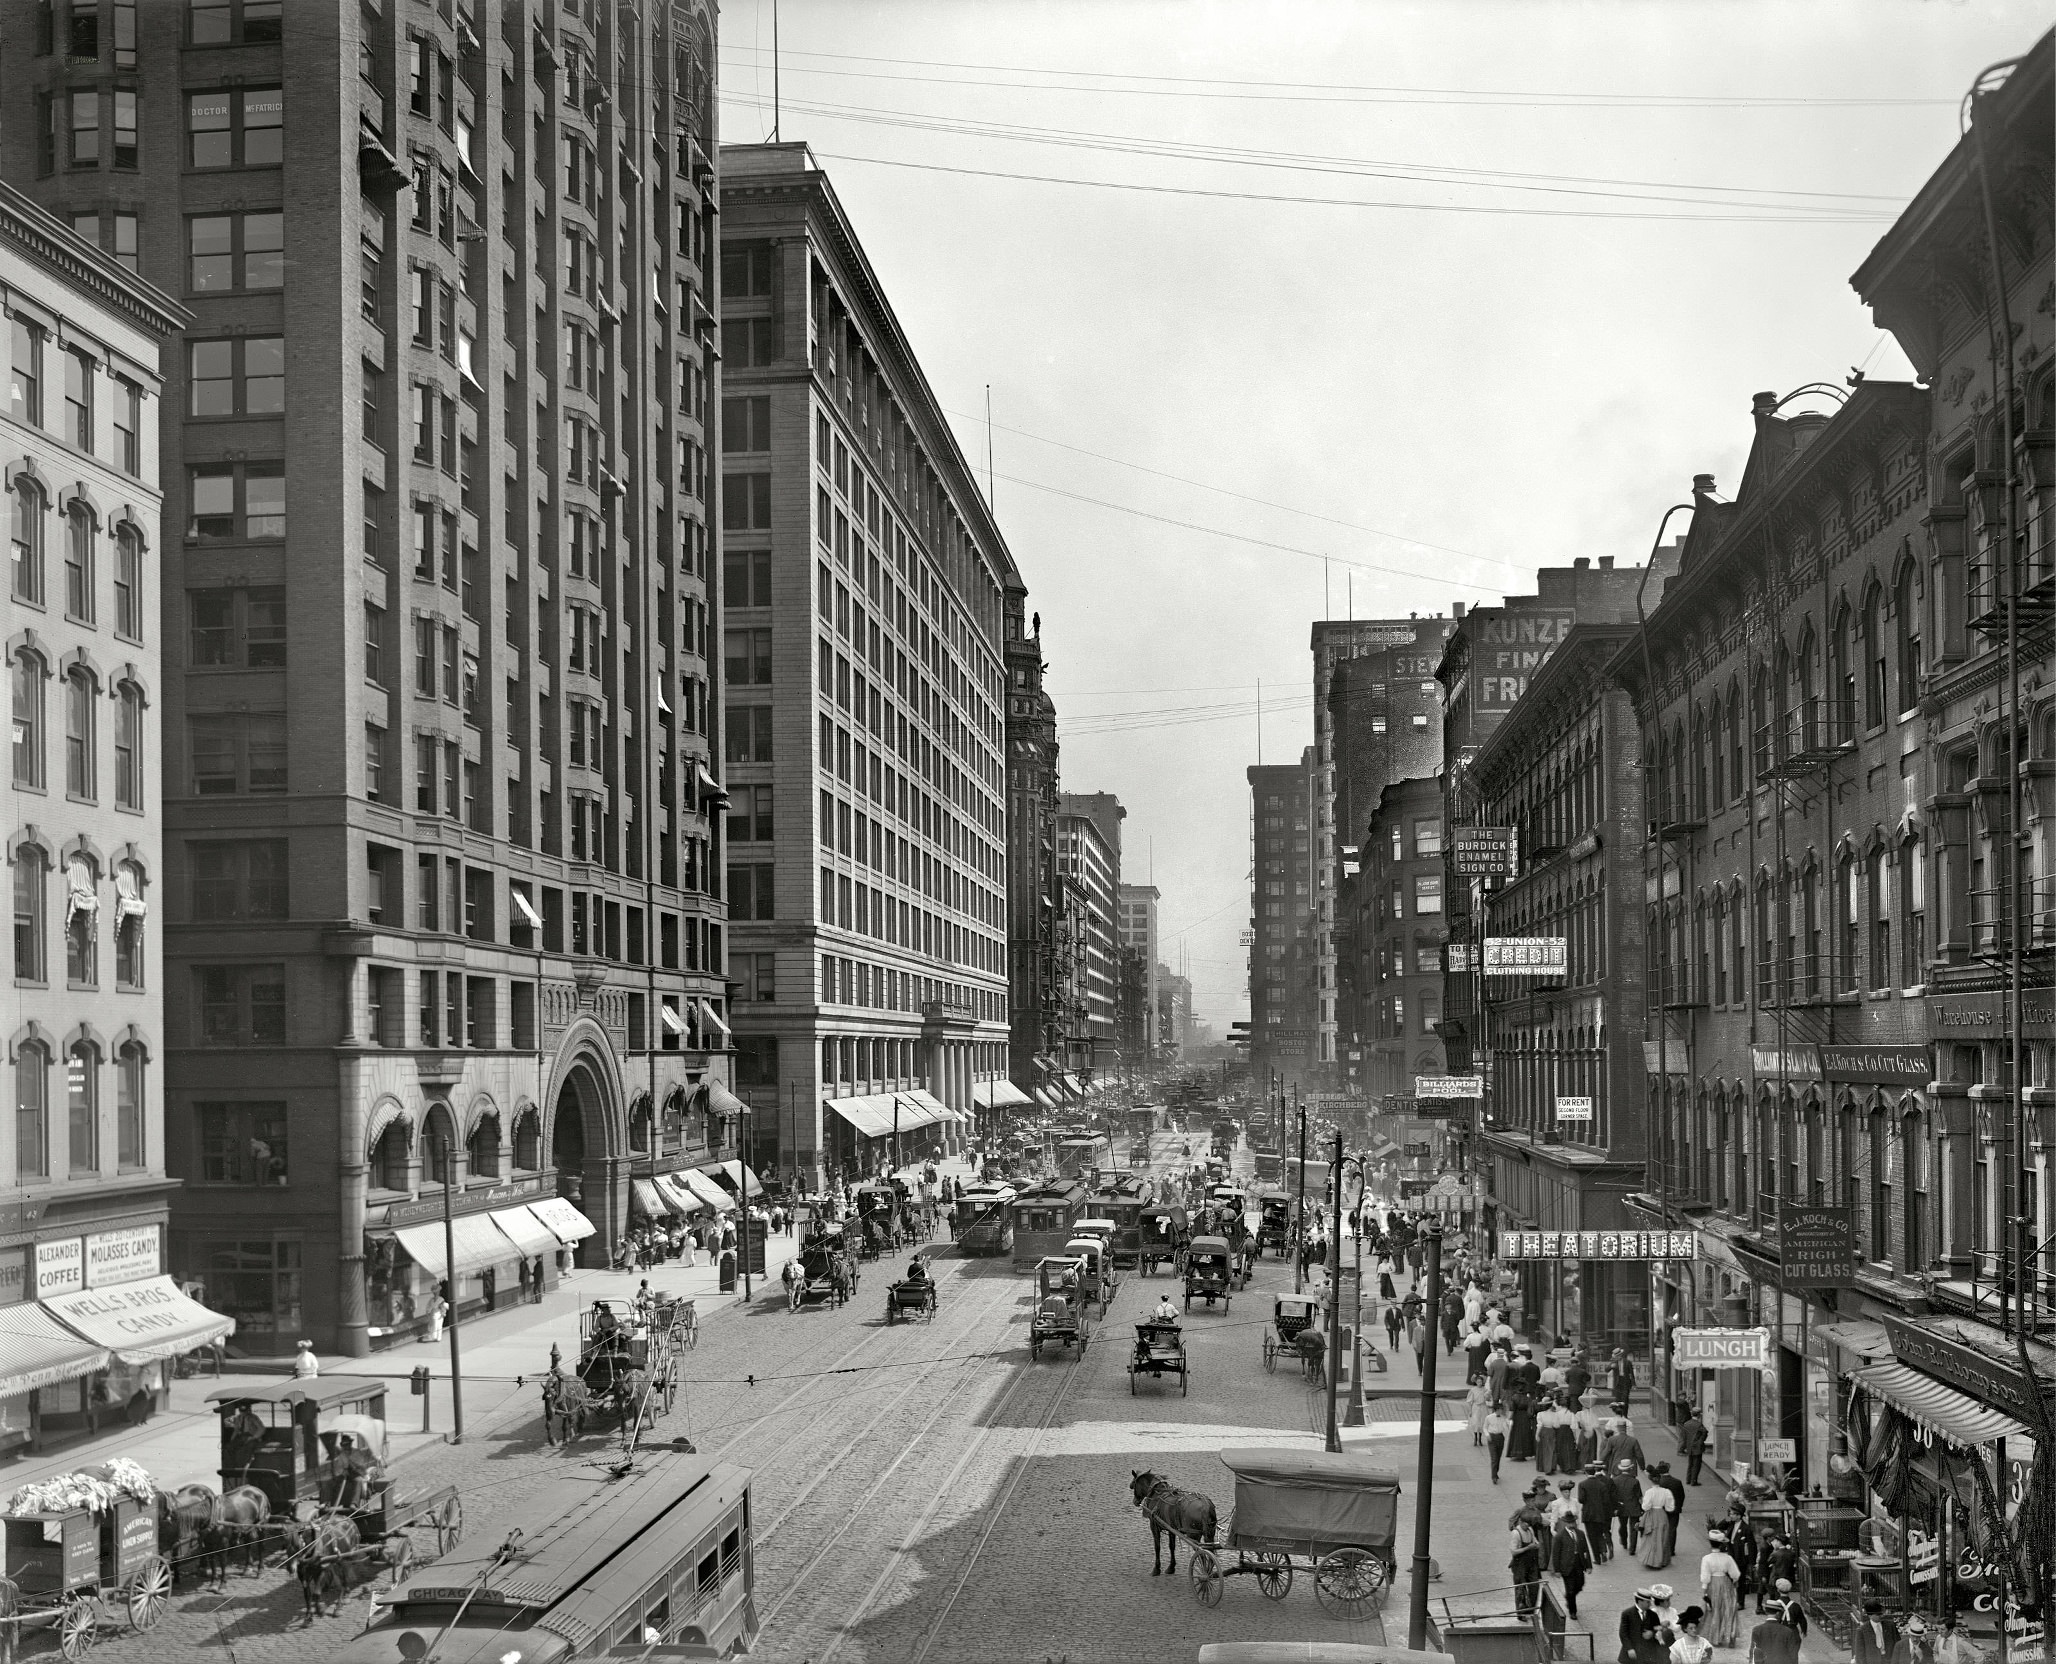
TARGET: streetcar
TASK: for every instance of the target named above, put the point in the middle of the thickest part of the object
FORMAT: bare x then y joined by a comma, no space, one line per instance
1084,1155
1123,1200
985,1218
1045,1218
660,1544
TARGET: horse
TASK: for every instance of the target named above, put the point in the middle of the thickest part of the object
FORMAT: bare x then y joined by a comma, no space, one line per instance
182,1516
318,1546
566,1405
242,1516
1173,1512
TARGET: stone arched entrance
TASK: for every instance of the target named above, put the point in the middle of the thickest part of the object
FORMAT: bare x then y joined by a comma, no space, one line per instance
587,1144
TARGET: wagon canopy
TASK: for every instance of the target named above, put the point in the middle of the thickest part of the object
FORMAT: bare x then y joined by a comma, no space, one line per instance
1313,1498
1205,1245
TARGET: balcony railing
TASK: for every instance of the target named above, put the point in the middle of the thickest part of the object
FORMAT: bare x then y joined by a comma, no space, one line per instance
1803,741
1991,606
1991,928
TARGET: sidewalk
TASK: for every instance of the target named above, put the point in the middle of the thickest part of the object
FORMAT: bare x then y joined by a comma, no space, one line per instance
502,1353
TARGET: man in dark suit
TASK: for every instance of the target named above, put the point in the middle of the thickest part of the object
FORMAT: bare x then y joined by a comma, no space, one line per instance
1595,1511
1692,1437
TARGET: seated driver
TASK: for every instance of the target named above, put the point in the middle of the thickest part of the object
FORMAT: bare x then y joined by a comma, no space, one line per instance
917,1272
1165,1312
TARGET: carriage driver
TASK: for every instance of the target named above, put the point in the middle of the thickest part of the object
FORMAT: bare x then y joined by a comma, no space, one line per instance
1165,1312
917,1271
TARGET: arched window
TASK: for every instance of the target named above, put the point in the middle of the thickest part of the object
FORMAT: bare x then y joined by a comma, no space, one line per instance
1913,1178
130,912
1737,782
31,1111
1724,1144
78,563
1876,695
1720,948
1842,682
31,868
1913,907
1850,890
1880,919
79,770
128,746
128,584
640,1125
1880,1187
82,1105
81,923
1759,722
1907,608
28,718
129,1107
1816,1154
484,1149
389,1156
439,1142
1807,734
28,542
1717,753
528,1142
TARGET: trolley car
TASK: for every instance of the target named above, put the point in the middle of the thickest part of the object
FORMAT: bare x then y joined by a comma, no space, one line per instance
1123,1200
661,1544
1085,1155
1045,1218
985,1218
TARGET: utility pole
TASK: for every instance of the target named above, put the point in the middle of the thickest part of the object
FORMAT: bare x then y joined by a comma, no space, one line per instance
1424,1480
1299,1255
450,1280
1335,1306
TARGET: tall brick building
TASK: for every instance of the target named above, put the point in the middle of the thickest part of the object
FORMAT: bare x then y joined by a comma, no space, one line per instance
442,872
866,688
1282,1008
1392,982
1034,888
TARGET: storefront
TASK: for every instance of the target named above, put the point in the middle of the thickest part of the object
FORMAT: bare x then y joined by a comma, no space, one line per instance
1565,1192
89,1325
497,1240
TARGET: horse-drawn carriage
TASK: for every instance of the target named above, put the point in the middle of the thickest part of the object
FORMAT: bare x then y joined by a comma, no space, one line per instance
1274,1229
1161,1228
877,1210
1332,1516
76,1547
1060,1317
826,1269
1295,1331
627,1364
1209,1272
912,1297
1159,1351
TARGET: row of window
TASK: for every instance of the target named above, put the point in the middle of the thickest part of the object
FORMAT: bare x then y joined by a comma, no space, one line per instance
30,674
236,127
82,921
29,518
94,32
37,1151
850,904
75,417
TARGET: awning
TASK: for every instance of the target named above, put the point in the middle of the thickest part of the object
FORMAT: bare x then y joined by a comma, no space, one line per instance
716,1099
708,785
653,1204
703,1190
38,1351
475,1238
1047,1064
565,1221
141,1322
1044,1097
711,1017
998,1094
735,1178
676,1197
872,1116
528,1233
1384,1147
1867,1340
919,1108
672,1021
1939,1408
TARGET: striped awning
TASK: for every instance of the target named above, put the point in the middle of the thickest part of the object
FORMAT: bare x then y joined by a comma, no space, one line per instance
703,1190
38,1351
1859,1335
570,1226
1938,1407
996,1094
525,1231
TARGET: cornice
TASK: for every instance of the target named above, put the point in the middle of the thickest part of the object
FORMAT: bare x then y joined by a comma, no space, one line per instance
67,255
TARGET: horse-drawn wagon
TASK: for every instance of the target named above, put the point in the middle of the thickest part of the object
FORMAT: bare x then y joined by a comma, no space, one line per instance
881,1219
1159,1351
279,1440
1274,1229
76,1546
627,1363
1209,1272
826,1269
1059,1318
1095,1270
1161,1228
1331,1516
914,1296
1295,1331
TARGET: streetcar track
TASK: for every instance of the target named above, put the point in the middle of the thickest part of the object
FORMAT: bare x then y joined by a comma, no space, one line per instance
856,1440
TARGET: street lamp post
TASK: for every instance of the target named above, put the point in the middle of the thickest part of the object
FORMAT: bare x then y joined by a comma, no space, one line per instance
1424,1481
449,1158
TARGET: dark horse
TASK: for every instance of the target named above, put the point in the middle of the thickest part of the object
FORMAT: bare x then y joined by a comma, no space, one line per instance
1171,1512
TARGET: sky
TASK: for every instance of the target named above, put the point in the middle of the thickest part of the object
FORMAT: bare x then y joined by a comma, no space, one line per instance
1290,308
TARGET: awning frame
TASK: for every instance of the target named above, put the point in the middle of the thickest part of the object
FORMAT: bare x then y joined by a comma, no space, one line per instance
1939,1407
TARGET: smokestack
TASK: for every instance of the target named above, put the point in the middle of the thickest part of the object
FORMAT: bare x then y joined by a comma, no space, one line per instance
1702,484
1456,610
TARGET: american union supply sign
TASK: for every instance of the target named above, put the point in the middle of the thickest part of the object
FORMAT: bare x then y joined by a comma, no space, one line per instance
1720,1348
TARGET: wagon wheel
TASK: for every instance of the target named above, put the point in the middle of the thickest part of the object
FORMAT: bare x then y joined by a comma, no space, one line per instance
1205,1572
1184,1377
10,1605
1349,1583
1273,1573
449,1523
76,1625
399,1555
1270,1354
149,1592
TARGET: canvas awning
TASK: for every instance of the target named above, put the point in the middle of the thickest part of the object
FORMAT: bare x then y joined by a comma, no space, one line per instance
651,1201
141,1322
711,1017
998,1094
923,1109
528,1233
474,1238
1044,1097
703,1190
1866,1339
1384,1147
565,1221
38,1351
716,1099
1938,1407
735,1178
871,1116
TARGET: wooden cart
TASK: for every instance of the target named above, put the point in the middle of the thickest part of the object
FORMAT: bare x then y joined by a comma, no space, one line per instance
1333,1516
63,1570
281,1439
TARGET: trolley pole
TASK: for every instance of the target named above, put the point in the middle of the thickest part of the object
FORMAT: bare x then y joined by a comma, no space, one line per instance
1299,1251
1335,1306
1424,1481
450,1277
743,1237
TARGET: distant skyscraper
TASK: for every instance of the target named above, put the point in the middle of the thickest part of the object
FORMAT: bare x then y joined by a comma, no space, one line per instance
1282,1011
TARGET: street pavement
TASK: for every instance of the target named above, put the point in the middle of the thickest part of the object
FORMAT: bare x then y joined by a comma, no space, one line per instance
926,1492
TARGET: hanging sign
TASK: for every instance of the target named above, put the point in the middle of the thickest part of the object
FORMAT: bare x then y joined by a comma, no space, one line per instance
1598,1245
1449,1086
1481,851
1817,1246
1526,956
1721,1349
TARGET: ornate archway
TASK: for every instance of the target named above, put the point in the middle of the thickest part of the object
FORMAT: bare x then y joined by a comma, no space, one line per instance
588,1137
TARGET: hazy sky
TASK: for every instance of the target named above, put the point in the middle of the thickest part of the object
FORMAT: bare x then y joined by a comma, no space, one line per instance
1658,208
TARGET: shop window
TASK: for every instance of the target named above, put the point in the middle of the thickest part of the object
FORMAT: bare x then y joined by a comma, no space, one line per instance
256,1282
389,1156
242,1143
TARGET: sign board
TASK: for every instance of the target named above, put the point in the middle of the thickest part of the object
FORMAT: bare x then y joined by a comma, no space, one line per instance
1415,1151
1457,958
122,1256
1720,1348
1995,1380
14,1276
1777,1450
1481,851
1510,647
1923,1558
60,1267
1574,1109
1792,1062
1526,956
464,1201
1402,1106
1817,1246
1449,1086
1878,1065
1598,1245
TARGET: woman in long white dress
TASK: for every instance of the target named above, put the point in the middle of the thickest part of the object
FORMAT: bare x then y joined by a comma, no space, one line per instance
1657,1525
1720,1579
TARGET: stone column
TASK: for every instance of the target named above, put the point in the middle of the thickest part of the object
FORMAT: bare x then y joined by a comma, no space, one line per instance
353,1320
